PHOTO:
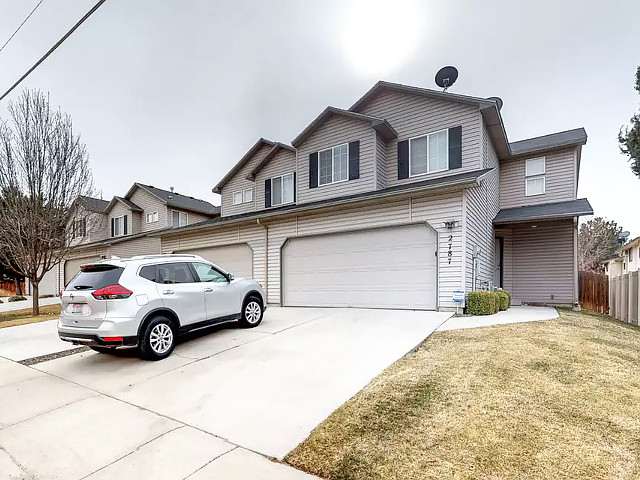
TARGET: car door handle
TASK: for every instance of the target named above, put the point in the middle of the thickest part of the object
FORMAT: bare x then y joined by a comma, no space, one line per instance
167,292
208,290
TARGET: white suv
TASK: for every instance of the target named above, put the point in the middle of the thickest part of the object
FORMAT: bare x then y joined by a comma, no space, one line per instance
147,301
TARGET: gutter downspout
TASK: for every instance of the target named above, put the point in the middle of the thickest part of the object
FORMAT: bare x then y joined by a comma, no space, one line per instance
266,257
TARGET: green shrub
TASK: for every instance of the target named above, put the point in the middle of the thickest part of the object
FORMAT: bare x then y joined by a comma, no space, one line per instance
505,299
16,298
483,302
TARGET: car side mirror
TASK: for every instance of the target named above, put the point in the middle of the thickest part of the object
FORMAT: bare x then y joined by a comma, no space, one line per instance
231,276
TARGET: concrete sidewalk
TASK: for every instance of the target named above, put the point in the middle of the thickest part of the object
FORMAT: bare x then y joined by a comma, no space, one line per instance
516,314
24,304
31,340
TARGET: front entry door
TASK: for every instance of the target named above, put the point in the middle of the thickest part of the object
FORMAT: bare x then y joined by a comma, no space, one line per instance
498,255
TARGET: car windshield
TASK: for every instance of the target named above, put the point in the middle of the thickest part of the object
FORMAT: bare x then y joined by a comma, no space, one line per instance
94,277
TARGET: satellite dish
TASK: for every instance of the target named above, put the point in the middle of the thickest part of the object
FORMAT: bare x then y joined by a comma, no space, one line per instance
446,77
622,237
498,101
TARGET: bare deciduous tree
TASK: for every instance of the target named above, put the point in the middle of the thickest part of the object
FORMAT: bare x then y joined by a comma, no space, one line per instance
597,241
44,167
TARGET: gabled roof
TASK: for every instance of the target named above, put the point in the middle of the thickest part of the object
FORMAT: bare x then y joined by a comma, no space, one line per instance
379,124
176,200
128,203
247,156
92,204
275,149
577,136
545,211
630,244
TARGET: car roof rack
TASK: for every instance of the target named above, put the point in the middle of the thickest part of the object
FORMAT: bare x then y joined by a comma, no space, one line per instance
167,255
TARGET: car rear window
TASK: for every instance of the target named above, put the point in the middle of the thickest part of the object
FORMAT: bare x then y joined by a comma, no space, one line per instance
94,277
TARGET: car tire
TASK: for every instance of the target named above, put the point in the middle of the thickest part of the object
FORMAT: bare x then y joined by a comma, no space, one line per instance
252,313
102,349
158,339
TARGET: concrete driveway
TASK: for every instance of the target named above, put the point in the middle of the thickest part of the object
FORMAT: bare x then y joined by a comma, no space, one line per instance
214,409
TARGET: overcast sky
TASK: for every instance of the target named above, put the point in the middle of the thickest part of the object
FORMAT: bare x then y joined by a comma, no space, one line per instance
173,93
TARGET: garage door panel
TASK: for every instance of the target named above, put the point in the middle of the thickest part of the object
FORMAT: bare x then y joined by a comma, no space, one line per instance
71,267
236,259
383,268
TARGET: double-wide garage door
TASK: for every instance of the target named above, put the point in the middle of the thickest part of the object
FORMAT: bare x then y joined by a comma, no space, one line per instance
236,259
391,267
71,267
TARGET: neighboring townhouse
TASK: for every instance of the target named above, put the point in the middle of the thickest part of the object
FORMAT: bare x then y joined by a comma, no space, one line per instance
121,227
398,202
613,266
626,261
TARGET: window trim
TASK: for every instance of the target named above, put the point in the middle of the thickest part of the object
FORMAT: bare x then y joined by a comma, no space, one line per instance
281,177
242,196
333,170
426,135
153,215
114,219
233,197
244,191
186,222
535,176
75,229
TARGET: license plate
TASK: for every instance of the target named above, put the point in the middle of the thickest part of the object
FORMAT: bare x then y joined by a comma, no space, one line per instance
76,308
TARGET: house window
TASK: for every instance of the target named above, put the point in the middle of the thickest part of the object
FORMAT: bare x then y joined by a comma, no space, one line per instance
333,165
179,219
429,153
152,217
118,226
282,189
535,178
79,228
243,196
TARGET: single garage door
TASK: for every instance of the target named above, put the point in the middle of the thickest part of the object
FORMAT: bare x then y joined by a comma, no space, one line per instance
71,267
236,259
383,268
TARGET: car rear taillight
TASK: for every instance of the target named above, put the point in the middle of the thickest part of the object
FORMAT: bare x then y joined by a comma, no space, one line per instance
112,292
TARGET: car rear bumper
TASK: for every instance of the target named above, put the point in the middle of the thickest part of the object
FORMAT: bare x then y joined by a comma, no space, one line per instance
125,329
94,340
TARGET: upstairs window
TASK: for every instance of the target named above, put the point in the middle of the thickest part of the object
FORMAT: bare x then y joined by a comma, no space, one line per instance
179,219
243,196
152,217
535,176
237,198
429,153
79,228
333,165
118,226
282,189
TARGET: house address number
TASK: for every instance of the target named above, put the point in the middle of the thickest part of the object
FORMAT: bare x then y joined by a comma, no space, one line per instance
450,251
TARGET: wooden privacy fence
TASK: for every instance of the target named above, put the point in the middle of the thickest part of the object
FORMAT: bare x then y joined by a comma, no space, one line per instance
594,292
624,297
9,288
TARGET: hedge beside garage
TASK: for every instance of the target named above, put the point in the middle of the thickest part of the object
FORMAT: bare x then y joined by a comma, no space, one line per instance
485,302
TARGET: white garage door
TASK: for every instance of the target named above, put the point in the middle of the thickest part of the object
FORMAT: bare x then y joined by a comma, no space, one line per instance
236,259
50,283
382,268
71,267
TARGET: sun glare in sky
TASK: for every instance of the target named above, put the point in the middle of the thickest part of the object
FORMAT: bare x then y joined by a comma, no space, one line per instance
378,38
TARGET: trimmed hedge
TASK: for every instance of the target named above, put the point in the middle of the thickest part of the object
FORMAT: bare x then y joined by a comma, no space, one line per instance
16,298
505,299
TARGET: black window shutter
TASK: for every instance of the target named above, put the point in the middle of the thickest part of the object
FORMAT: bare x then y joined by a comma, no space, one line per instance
267,193
313,170
295,185
403,159
455,147
113,227
125,224
354,160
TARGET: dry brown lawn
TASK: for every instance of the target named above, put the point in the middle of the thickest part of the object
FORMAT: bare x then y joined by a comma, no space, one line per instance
543,400
22,317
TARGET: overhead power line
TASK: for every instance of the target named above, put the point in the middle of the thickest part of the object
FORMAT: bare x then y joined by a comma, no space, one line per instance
52,49
18,29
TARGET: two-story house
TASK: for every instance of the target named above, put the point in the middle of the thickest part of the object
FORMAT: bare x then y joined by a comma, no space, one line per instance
401,200
123,227
626,260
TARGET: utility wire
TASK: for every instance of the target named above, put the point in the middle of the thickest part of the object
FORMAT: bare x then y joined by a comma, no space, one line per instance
52,49
18,29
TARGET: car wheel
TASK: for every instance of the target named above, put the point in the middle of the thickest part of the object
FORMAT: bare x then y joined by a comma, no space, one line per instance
158,339
103,349
252,312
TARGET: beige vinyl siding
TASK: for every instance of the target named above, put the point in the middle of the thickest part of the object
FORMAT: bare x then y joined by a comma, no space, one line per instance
281,163
119,209
97,226
136,246
540,262
336,131
381,162
251,234
482,205
136,223
150,203
560,178
239,182
432,209
414,115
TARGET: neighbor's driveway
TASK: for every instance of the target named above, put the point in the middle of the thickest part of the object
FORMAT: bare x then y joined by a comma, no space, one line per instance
215,400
